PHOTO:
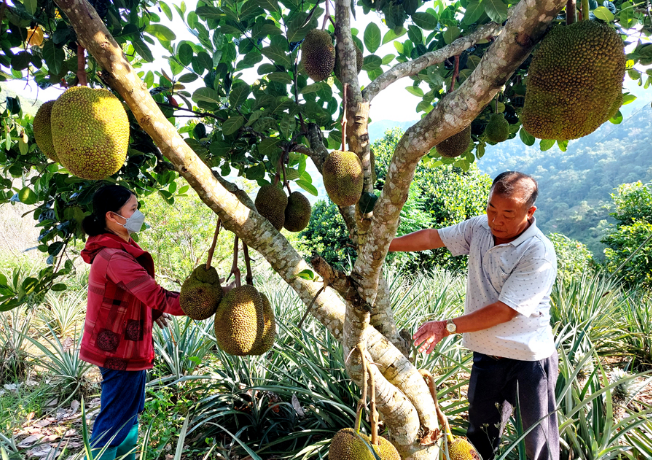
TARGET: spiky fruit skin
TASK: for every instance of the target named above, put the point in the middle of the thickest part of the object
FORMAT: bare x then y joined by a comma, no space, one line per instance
318,54
359,60
43,130
297,212
497,129
201,293
347,445
239,321
271,202
575,81
462,449
266,340
90,132
343,177
455,145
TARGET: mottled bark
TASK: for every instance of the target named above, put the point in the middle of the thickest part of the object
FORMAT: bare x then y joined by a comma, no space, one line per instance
528,22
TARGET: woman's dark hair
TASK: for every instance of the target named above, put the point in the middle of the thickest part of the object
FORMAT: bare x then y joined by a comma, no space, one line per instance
107,198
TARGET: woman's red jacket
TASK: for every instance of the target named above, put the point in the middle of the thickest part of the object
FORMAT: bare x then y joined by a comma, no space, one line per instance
123,302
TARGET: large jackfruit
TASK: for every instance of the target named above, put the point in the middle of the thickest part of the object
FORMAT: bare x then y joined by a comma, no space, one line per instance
318,54
343,177
497,129
90,132
347,445
266,340
575,81
461,449
271,202
297,212
239,321
43,130
455,145
201,293
359,60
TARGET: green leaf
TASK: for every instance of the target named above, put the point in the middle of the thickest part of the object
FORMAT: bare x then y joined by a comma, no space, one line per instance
425,20
239,94
388,58
143,50
563,145
54,57
313,88
546,144
277,55
308,187
232,125
526,137
371,62
161,32
30,6
496,10
188,78
59,287
20,61
250,9
306,274
604,14
185,53
393,34
367,202
617,119
206,95
209,12
372,37
287,125
27,196
166,10
269,146
270,5
628,98
415,90
450,34
281,77
473,12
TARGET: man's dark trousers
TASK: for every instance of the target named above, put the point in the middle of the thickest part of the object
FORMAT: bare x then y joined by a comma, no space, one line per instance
493,395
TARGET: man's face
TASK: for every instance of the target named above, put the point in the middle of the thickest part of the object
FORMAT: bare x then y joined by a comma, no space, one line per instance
508,216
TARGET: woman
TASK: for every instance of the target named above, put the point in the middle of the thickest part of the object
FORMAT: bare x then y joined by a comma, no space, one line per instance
123,303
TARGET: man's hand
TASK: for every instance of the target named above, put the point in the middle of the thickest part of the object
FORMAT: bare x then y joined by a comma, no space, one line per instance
163,320
429,335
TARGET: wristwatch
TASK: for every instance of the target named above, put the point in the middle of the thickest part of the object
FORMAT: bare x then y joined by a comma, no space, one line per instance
451,327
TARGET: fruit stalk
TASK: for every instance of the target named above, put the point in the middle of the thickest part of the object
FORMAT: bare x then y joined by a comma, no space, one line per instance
585,10
305,315
456,73
570,12
235,271
363,399
372,407
346,85
249,277
443,421
81,66
212,248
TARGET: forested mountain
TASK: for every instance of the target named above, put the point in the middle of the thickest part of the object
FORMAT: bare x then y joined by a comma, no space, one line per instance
575,186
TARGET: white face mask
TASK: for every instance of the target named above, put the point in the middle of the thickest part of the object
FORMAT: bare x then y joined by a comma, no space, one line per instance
134,223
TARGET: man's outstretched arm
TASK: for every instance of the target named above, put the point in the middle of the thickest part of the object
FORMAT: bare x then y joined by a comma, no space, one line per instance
417,241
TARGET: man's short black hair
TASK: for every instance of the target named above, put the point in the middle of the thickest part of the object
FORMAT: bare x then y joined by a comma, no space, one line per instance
509,182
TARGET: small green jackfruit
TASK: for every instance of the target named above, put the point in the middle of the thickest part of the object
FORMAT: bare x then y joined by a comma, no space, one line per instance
239,321
462,449
343,177
455,145
575,81
201,293
297,212
90,132
497,129
43,130
266,341
318,54
359,60
349,445
271,202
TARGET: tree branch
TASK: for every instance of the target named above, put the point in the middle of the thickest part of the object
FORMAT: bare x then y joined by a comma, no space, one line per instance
526,26
406,69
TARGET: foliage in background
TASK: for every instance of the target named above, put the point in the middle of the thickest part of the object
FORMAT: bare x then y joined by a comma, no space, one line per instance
573,257
441,195
633,215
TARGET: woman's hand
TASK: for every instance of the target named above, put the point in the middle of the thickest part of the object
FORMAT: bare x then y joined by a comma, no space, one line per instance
429,335
163,320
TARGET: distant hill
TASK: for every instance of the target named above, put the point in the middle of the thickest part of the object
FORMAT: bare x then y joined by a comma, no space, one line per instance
377,128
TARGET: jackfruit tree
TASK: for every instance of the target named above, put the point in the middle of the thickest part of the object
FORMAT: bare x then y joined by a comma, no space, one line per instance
257,110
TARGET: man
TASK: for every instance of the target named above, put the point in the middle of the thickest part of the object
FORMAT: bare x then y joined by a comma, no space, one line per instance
512,268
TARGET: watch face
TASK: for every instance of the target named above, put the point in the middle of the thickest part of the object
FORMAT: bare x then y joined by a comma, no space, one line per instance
450,327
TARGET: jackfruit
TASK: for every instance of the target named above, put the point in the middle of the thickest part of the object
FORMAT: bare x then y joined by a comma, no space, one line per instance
318,54
497,129
43,130
239,321
575,81
90,132
297,212
271,202
359,60
201,293
461,449
347,445
343,177
266,341
455,145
